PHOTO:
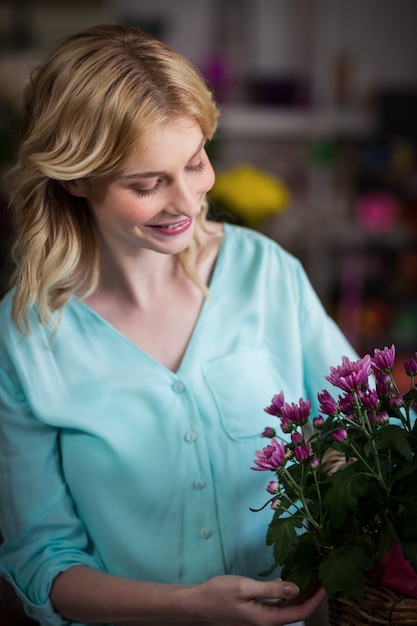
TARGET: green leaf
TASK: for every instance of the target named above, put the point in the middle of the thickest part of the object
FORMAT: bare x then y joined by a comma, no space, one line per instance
411,396
269,571
406,469
303,562
342,496
342,570
392,436
284,537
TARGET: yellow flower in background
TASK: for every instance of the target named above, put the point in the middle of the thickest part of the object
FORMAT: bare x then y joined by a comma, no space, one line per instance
250,194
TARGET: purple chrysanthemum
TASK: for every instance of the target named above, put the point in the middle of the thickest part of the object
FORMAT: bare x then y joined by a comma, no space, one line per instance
327,405
369,399
276,405
382,384
296,437
383,360
269,432
339,435
410,366
297,413
318,422
302,453
350,375
271,457
273,487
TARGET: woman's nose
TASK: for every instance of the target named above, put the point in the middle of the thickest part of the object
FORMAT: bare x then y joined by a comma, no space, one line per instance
185,199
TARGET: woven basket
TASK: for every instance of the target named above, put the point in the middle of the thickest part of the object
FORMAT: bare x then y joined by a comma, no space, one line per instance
379,605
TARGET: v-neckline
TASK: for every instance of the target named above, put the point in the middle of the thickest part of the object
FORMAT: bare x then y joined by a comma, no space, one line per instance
202,313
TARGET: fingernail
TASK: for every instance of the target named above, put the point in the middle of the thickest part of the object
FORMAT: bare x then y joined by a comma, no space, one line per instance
291,590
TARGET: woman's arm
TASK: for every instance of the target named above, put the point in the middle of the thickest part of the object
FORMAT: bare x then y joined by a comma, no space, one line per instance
83,594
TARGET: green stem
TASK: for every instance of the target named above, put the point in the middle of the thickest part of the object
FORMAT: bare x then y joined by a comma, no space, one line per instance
376,475
299,491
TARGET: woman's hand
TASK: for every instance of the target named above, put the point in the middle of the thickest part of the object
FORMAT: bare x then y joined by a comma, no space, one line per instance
87,595
241,601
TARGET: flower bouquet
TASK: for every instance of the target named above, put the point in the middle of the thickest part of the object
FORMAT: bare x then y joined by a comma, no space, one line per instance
344,492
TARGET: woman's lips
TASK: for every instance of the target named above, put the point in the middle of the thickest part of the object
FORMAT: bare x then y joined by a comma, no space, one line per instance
169,230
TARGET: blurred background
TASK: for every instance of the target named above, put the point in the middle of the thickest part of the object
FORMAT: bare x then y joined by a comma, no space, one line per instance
319,102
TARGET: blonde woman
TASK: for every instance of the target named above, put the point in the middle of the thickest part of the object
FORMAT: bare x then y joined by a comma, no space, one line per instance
139,345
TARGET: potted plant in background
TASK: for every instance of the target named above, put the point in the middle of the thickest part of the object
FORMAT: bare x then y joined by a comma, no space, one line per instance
344,494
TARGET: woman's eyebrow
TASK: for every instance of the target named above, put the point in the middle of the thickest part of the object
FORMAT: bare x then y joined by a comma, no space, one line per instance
153,174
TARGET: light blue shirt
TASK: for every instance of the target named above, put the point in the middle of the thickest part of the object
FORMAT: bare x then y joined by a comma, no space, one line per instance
109,459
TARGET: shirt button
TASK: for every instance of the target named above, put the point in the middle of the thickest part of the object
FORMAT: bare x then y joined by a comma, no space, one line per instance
205,533
190,436
178,387
199,484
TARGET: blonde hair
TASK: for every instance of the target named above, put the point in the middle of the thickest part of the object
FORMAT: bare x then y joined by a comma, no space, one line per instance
95,98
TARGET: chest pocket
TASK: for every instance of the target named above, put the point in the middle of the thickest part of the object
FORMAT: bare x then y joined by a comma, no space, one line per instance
242,385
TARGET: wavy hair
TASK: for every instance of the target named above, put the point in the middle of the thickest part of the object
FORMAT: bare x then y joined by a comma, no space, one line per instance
86,108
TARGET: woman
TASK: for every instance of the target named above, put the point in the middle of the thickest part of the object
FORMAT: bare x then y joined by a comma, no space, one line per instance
139,345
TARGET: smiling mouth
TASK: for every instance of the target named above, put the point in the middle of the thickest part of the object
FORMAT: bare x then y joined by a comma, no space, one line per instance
172,229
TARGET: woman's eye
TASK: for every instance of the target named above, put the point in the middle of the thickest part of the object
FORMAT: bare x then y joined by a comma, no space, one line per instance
197,168
143,193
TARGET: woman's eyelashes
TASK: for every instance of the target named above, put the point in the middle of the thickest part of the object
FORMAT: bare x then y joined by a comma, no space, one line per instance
150,192
143,193
197,168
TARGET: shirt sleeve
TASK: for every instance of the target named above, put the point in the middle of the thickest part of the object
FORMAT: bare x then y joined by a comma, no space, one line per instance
323,342
41,531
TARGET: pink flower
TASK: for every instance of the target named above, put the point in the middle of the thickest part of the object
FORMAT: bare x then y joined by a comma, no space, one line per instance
396,401
410,366
269,432
271,457
382,384
276,405
383,360
314,462
351,375
286,425
296,437
369,399
380,419
302,453
339,435
275,504
273,487
318,422
347,404
297,413
328,406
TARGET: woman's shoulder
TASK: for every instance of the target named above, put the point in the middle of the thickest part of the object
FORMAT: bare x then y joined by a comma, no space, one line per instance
248,243
11,337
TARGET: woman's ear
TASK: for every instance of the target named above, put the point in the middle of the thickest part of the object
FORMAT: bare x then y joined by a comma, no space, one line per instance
76,187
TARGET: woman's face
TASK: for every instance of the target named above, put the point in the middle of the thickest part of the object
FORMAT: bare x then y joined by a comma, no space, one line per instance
154,201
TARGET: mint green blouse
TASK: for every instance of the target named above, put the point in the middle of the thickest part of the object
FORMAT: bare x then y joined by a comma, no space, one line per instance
109,459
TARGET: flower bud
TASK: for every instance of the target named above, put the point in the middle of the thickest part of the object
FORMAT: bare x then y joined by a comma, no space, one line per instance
318,422
273,487
296,437
275,504
302,453
269,432
339,435
410,366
